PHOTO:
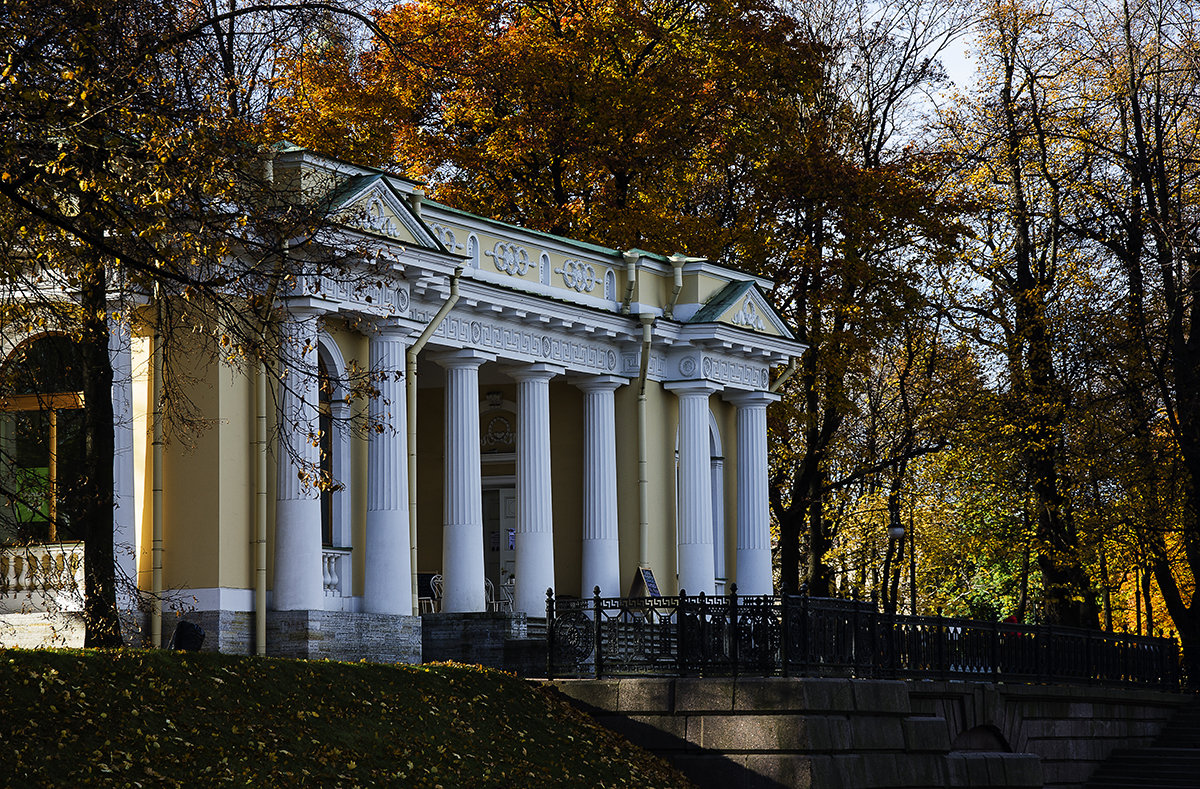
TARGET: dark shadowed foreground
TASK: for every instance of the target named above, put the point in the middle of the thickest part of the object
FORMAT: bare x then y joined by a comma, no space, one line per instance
134,718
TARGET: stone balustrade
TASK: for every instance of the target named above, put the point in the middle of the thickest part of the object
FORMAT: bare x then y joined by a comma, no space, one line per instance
335,574
38,577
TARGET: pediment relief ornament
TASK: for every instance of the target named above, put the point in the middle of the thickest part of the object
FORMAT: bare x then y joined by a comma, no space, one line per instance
375,216
749,316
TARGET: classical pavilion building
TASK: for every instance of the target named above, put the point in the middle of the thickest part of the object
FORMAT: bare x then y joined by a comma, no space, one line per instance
548,414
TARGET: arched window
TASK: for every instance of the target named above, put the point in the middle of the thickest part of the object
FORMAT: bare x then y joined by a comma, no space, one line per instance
41,441
333,414
473,251
325,421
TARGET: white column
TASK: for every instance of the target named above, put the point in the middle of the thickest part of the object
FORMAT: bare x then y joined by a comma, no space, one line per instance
462,522
754,576
535,516
298,585
695,524
124,495
601,557
387,586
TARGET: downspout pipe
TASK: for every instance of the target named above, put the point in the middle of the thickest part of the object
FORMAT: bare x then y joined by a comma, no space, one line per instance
789,371
410,386
631,264
647,320
260,475
677,263
260,510
156,516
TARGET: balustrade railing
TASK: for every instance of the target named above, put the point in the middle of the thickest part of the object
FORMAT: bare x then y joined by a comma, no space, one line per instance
335,572
30,575
804,636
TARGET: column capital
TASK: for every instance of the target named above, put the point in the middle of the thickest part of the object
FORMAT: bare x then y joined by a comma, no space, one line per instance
301,307
744,399
467,357
534,372
391,329
681,388
598,383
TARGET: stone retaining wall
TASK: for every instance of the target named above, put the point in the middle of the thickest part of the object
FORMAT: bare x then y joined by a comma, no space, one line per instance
1072,729
856,734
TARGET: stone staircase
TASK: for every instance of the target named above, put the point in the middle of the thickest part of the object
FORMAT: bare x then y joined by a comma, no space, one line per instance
1173,759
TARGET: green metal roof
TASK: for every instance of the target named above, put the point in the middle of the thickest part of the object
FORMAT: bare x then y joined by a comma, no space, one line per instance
721,301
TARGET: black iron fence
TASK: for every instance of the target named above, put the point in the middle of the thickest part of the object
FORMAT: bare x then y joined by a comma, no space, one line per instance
807,636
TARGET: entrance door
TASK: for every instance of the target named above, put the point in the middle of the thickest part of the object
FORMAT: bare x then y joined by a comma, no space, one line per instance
500,533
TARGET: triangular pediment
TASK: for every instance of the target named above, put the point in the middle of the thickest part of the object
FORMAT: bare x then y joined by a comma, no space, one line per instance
743,305
371,205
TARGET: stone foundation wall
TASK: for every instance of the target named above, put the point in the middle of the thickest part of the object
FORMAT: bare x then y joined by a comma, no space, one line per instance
58,630
471,637
340,635
41,630
313,635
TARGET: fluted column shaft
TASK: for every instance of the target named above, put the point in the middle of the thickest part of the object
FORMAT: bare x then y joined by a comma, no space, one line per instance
387,587
754,576
695,523
535,516
124,547
601,555
298,584
462,522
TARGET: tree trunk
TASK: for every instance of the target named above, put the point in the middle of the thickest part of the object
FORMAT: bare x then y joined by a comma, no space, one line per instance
102,626
1067,589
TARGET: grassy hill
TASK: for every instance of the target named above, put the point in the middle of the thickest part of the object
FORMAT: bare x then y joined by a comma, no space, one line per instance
140,718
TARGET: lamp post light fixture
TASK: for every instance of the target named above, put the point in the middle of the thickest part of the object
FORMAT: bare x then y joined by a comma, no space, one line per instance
895,534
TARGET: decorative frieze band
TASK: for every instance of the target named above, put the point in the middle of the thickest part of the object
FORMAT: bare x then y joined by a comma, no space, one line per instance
700,366
371,295
510,340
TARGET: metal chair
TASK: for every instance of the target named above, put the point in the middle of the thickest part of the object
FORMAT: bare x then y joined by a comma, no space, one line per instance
434,603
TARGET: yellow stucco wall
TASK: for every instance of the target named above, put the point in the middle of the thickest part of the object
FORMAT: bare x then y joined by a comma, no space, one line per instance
430,468
662,416
566,474
192,494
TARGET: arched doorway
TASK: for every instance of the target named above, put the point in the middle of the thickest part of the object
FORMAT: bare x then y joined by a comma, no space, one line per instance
41,441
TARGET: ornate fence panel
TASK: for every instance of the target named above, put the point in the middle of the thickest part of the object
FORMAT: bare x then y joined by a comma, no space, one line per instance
799,635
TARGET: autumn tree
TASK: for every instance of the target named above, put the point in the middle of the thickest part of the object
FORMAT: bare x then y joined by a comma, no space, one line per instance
1026,275
626,123
1139,124
125,176
858,213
